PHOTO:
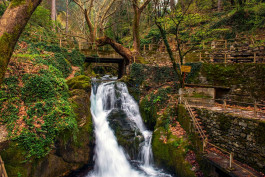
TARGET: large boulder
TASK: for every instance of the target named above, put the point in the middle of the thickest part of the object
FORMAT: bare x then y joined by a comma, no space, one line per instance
128,135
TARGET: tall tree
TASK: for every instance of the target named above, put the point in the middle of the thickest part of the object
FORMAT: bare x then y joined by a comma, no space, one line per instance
219,5
96,15
12,23
53,10
138,9
67,16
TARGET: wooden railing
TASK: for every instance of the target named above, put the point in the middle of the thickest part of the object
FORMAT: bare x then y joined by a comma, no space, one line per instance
207,144
224,51
255,109
2,168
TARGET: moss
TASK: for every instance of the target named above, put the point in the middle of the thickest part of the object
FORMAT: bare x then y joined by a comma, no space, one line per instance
15,3
13,158
149,113
79,82
171,154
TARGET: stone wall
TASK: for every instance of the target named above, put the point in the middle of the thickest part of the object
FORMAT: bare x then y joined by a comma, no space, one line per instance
245,80
245,137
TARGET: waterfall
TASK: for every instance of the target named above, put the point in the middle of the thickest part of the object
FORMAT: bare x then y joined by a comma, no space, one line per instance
110,158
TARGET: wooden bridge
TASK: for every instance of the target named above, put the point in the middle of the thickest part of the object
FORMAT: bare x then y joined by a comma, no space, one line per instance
120,61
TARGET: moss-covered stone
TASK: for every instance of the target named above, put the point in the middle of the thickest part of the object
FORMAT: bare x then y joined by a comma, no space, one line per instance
80,82
14,157
171,155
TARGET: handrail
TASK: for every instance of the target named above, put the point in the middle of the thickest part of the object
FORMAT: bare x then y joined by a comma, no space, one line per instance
2,168
205,140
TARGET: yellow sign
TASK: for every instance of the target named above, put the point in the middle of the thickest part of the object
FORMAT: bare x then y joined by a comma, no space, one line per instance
185,69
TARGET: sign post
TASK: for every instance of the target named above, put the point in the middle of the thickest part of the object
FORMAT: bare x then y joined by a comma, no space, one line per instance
185,69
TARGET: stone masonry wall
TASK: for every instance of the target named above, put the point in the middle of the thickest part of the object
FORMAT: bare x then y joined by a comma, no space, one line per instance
245,137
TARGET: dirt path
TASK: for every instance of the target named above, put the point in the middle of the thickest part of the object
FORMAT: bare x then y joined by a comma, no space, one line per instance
75,69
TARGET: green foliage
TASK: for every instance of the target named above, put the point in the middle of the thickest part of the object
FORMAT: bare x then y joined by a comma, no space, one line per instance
37,87
62,64
2,9
76,58
137,73
41,17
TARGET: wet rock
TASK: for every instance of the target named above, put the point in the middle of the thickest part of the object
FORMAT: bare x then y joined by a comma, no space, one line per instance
128,136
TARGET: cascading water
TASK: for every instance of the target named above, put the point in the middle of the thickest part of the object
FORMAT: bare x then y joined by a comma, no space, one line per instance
110,158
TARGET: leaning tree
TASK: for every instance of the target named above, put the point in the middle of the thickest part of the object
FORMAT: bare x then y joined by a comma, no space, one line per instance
12,24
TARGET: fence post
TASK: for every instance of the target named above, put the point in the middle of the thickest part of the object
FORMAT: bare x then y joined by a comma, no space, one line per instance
204,144
149,47
225,57
200,56
255,55
226,44
203,45
60,42
255,108
225,104
231,160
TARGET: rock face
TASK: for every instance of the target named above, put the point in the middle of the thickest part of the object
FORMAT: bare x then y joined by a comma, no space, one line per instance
72,153
71,150
128,136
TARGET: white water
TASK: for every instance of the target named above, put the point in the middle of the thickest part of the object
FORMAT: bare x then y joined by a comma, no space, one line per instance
110,159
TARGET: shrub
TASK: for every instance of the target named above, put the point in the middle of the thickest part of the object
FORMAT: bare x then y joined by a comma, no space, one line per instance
36,88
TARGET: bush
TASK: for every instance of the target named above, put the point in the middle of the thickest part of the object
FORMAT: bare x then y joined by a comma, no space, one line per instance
37,87
62,64
76,58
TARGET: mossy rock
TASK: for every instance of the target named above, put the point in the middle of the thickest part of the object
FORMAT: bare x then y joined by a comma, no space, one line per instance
171,155
14,157
80,82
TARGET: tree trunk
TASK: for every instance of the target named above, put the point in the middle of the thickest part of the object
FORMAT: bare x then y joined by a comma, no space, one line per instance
136,23
12,23
172,4
92,33
219,5
53,10
123,51
170,53
67,16
136,29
